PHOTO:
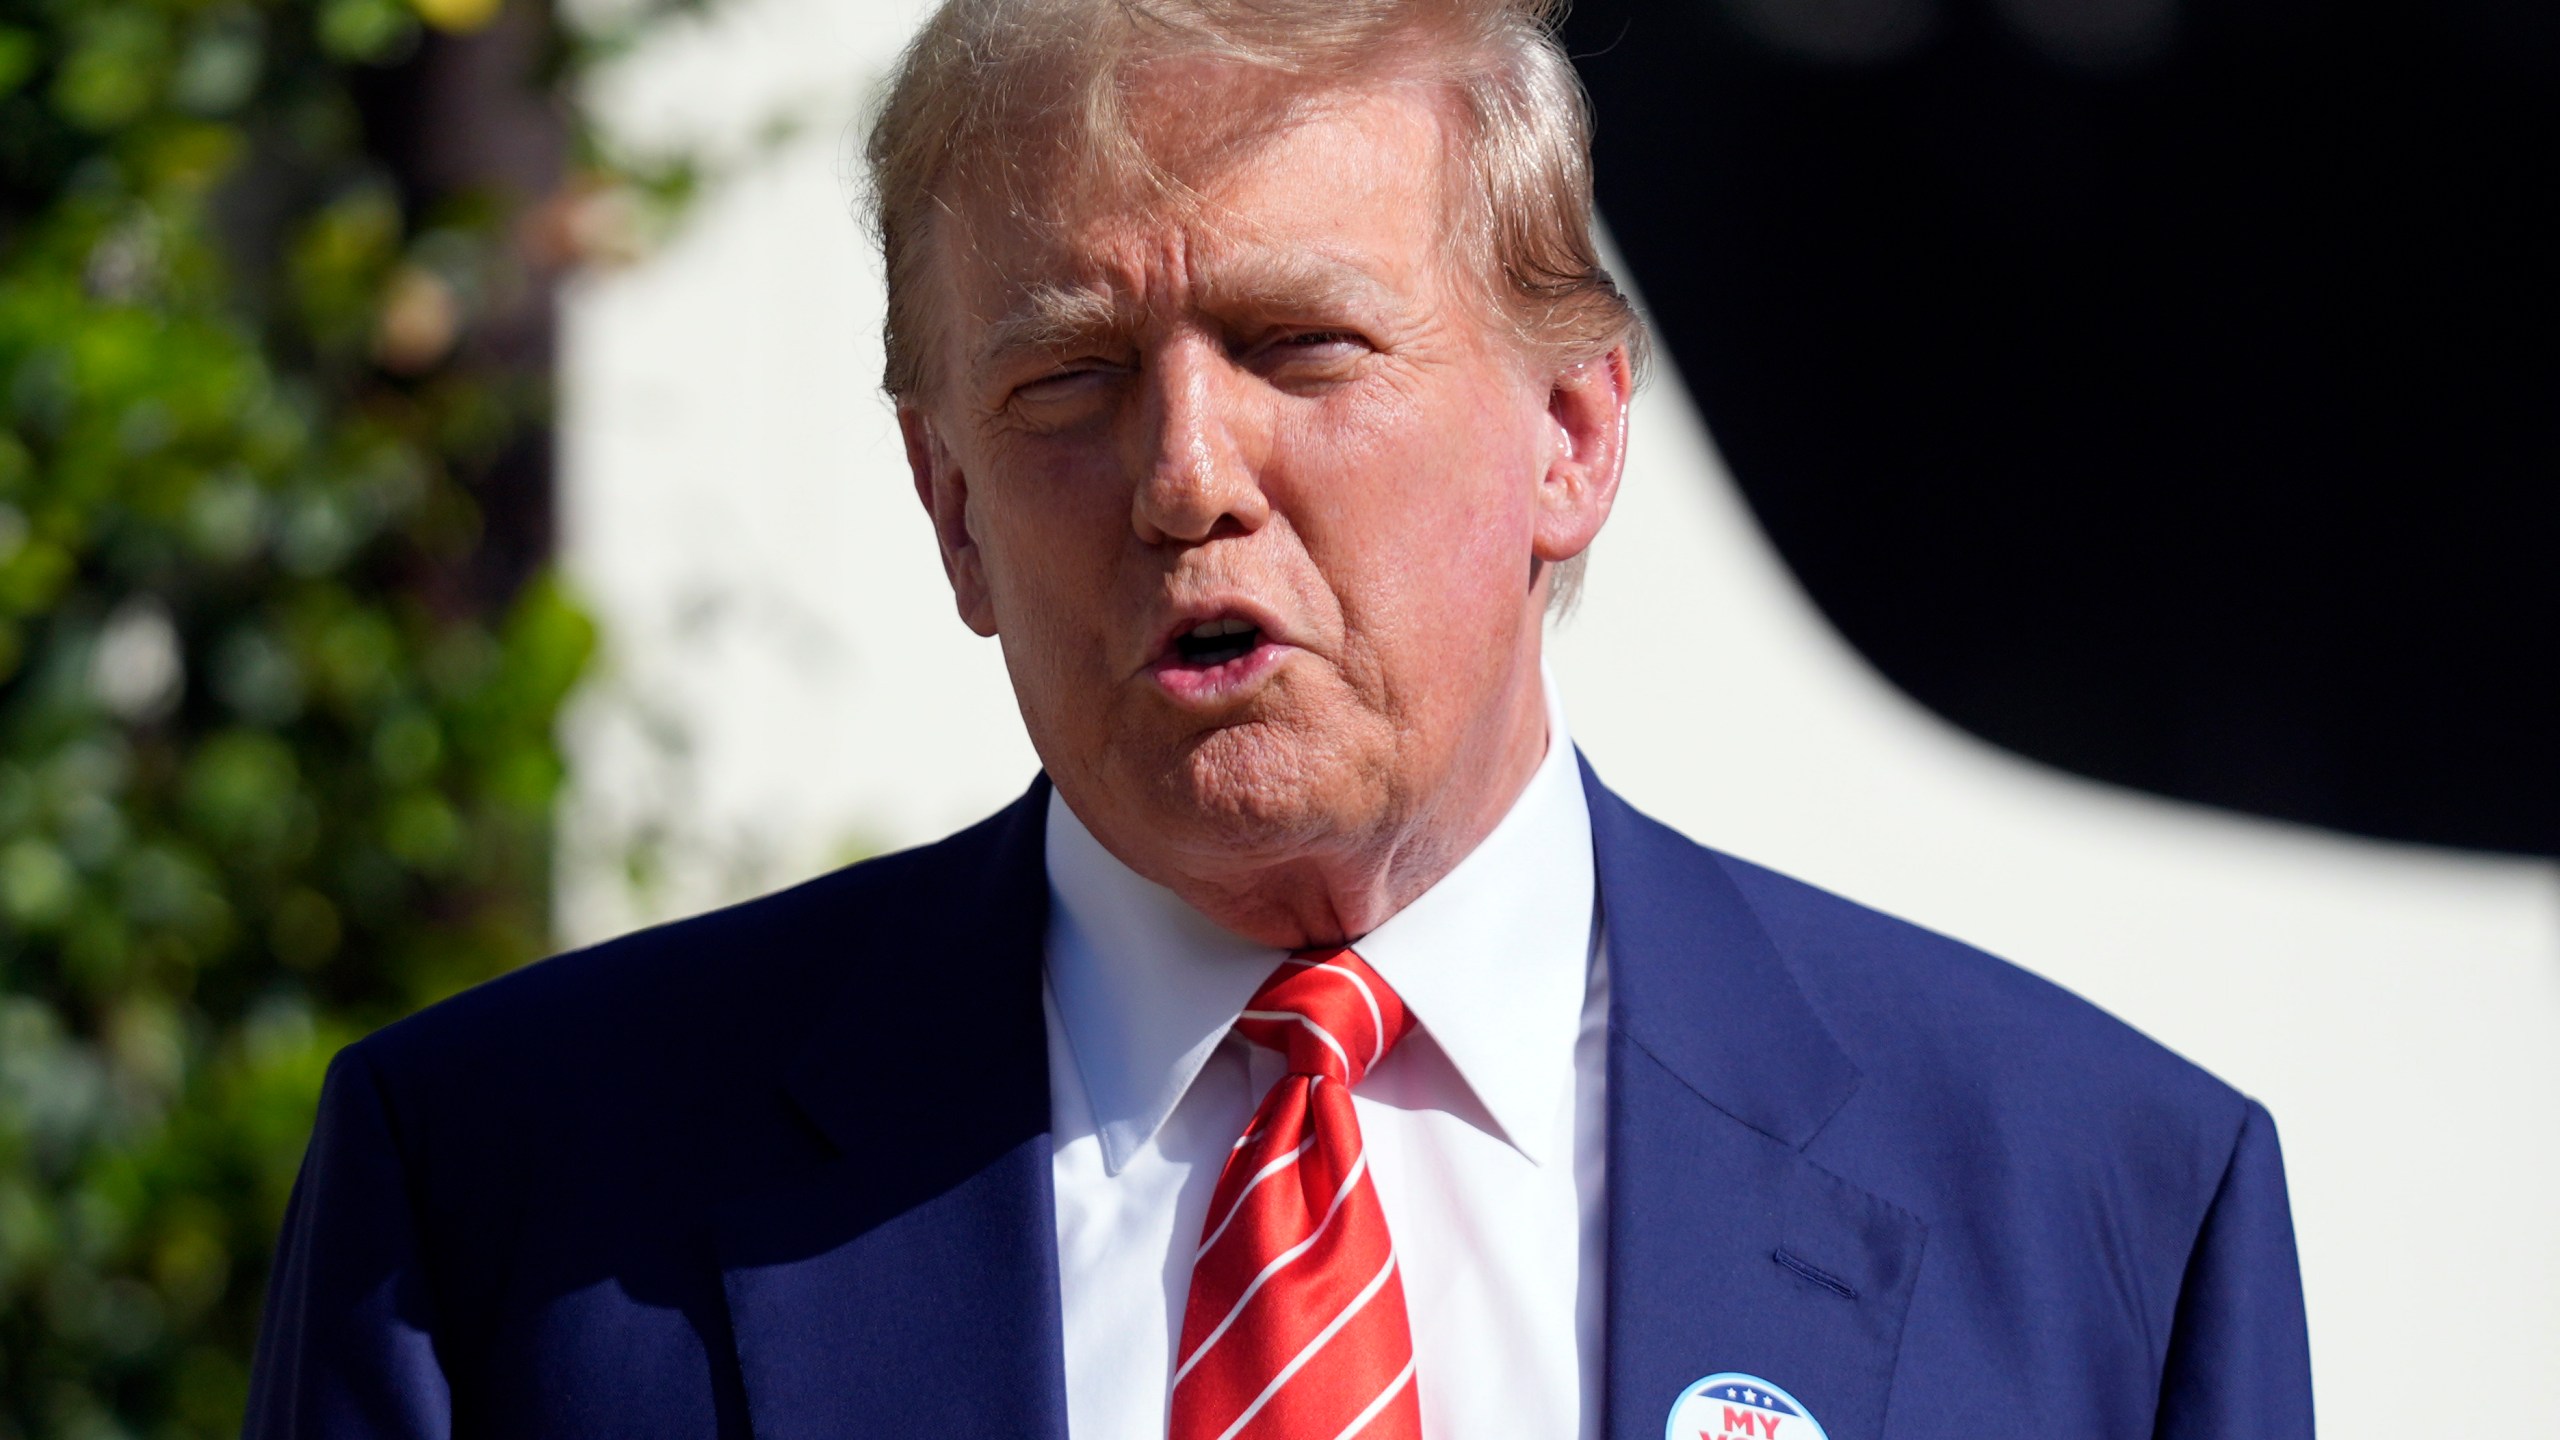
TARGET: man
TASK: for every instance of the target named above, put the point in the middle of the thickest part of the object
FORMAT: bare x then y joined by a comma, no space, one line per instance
1317,1049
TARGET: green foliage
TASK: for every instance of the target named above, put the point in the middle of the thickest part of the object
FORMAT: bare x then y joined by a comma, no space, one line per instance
273,768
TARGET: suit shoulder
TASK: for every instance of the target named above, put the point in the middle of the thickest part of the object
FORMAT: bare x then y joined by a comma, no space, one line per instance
1914,1006
2049,1146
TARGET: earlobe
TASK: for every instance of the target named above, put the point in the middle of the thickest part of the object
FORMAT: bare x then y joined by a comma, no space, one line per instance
1587,405
943,487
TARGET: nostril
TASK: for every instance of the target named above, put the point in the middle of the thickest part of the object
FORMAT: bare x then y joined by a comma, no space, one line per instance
1161,524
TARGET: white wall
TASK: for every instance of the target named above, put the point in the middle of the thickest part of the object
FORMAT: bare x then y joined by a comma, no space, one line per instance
737,510
735,504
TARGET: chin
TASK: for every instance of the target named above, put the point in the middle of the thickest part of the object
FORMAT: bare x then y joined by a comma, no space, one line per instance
1261,792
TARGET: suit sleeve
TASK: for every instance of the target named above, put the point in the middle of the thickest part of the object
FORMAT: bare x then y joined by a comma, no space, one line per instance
2239,1364
346,1350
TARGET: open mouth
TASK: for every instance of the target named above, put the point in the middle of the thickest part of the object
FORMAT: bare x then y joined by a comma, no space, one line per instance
1215,661
1216,642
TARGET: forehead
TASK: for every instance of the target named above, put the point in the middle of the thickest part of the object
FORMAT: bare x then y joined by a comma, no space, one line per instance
1340,195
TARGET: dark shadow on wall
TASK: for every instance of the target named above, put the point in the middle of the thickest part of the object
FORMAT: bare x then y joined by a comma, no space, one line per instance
2168,390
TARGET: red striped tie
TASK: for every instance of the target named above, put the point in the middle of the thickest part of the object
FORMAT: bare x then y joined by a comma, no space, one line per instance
1295,1329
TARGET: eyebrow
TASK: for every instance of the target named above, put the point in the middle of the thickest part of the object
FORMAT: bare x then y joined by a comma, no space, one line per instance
1046,317
1049,317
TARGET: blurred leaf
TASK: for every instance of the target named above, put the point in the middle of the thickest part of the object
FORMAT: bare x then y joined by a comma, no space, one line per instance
37,885
115,68
459,17
220,68
20,53
366,30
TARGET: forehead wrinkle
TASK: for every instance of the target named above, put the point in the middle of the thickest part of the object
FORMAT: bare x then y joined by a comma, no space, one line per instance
1046,315
1125,251
1289,281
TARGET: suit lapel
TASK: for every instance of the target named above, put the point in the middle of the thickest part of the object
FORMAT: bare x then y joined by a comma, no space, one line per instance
1729,1250
909,1285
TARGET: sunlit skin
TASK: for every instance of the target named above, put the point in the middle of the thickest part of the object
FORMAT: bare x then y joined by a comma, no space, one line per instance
1283,408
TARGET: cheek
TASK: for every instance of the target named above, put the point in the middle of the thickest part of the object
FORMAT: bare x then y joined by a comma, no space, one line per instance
1423,522
1045,520
1050,534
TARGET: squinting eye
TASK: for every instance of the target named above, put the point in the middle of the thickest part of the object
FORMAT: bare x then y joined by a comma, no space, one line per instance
1313,348
1060,385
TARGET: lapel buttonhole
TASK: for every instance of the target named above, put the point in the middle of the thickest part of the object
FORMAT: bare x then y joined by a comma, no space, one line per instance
1814,1274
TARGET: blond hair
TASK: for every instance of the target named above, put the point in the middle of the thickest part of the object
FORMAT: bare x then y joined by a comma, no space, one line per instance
987,85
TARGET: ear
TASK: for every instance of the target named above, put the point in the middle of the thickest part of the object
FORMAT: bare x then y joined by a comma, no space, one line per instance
1587,406
944,488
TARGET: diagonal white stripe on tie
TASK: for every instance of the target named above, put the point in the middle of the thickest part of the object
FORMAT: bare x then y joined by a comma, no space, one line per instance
1377,1021
1279,1263
1378,1406
1321,1033
1367,1293
1265,1173
1377,1018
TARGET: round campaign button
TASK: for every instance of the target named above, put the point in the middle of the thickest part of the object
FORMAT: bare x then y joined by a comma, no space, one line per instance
1732,1406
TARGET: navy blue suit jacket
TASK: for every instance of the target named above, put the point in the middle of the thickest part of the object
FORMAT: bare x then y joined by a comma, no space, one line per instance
784,1171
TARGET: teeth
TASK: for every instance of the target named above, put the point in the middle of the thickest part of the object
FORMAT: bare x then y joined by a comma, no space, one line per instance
1220,629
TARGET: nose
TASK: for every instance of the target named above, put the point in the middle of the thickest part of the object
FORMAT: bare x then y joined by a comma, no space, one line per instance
1197,449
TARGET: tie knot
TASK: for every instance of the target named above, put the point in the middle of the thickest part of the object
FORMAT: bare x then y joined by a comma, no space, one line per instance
1328,1012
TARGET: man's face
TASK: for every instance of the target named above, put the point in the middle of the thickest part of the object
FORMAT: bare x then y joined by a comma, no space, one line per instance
1257,496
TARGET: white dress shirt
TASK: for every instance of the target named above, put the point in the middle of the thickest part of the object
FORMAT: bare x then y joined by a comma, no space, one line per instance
1484,1128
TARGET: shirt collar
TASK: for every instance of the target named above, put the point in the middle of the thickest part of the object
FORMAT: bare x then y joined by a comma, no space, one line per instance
1492,961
